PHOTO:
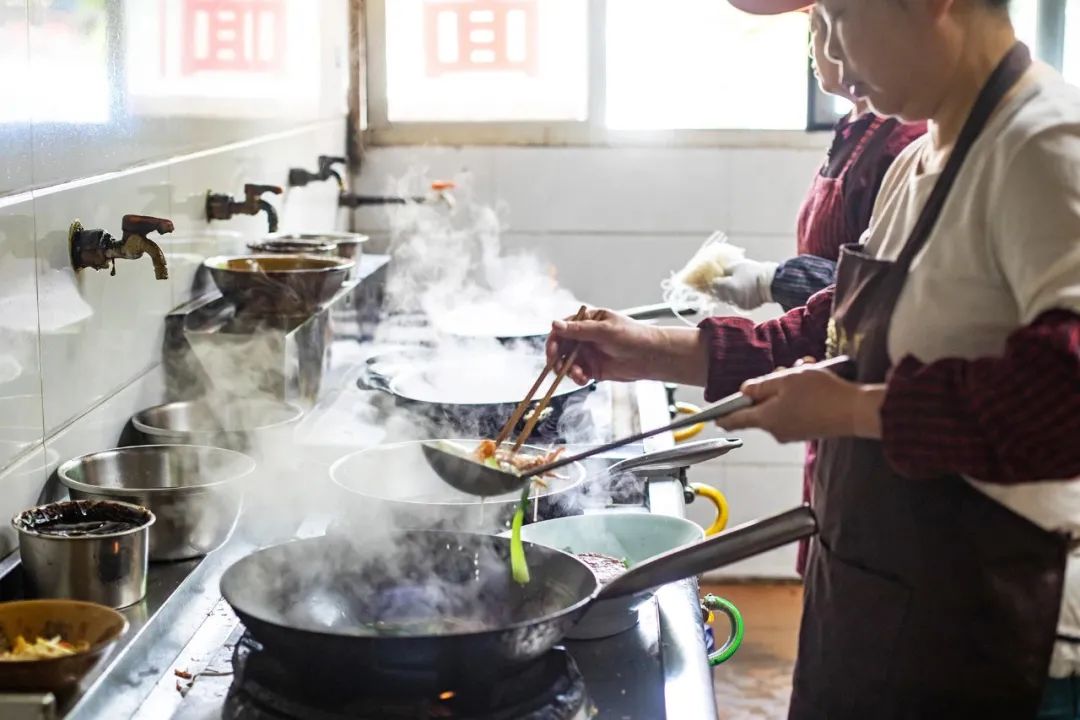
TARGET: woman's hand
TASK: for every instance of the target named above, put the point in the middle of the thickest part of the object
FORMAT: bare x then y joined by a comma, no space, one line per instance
808,403
614,347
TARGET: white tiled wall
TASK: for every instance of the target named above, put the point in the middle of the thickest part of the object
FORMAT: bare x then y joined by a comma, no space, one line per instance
615,222
80,352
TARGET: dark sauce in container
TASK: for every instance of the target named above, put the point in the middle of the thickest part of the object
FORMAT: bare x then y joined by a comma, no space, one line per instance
83,518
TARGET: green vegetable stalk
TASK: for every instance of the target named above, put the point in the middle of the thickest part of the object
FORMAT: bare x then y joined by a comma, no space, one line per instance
519,568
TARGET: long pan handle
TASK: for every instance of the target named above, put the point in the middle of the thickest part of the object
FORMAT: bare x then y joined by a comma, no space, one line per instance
841,365
737,544
659,311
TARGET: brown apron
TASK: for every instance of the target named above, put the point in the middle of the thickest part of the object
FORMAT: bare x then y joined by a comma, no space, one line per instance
924,599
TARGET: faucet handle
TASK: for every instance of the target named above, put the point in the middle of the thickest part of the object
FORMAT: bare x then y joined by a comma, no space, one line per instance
327,162
253,191
144,224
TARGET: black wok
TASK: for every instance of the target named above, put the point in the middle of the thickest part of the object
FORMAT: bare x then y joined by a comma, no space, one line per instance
374,611
467,392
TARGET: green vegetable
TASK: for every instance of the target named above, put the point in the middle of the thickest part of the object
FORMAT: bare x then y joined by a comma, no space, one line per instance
625,563
518,567
492,463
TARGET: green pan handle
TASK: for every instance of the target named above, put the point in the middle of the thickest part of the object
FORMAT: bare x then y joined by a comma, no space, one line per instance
735,620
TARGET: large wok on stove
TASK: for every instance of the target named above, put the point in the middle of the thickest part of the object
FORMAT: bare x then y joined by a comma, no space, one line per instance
466,393
436,612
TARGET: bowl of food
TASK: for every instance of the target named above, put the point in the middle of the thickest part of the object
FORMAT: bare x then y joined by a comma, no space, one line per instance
49,645
609,543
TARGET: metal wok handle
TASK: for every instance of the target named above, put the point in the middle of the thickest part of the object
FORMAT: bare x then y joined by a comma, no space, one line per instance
676,458
739,543
658,311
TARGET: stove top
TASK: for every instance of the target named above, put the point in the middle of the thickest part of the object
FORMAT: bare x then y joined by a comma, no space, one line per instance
552,688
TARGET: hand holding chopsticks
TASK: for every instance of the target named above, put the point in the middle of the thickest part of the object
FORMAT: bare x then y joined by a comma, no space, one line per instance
523,406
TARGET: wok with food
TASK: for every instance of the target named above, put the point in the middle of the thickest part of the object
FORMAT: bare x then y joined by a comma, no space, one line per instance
464,391
49,645
426,610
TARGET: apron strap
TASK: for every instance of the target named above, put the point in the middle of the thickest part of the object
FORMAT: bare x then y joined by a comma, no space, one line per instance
1005,76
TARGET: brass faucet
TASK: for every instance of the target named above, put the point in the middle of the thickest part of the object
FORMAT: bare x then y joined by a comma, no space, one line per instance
222,207
99,250
299,177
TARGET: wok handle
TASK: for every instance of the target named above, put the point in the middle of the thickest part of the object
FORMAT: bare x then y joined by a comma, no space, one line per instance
737,544
676,458
841,365
658,311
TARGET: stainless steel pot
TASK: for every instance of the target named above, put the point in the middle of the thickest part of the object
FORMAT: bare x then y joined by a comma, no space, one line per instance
194,492
236,424
342,244
108,568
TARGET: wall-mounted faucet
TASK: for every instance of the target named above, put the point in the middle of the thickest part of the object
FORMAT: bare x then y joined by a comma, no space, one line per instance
440,194
99,250
223,207
299,177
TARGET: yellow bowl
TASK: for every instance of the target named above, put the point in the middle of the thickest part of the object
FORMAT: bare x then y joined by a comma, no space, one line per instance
75,622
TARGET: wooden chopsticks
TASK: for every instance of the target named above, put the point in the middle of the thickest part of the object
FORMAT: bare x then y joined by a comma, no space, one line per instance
519,411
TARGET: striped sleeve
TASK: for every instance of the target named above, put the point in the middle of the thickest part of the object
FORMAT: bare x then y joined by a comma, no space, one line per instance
1007,420
740,350
797,279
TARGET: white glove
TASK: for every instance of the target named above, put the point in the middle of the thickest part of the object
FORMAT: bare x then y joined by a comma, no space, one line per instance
748,284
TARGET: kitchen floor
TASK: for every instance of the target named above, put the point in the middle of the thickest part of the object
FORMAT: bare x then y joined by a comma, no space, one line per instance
756,682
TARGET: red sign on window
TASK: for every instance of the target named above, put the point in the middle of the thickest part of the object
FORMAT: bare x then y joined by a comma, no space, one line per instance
480,36
233,36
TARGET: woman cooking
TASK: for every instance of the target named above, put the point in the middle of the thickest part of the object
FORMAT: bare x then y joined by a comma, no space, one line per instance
836,211
837,207
937,585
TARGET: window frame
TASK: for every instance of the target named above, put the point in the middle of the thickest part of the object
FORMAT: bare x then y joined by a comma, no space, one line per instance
591,132
379,131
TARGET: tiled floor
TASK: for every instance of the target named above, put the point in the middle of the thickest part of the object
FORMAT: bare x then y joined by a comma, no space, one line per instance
756,683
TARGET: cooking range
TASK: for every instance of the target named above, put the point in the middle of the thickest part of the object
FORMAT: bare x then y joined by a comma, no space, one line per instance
188,656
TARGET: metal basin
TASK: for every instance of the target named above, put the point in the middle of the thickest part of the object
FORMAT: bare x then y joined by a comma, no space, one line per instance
339,244
195,492
235,424
278,284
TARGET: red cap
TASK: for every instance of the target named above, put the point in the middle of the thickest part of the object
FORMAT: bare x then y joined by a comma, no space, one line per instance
770,7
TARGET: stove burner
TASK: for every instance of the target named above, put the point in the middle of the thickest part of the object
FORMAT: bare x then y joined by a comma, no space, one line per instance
552,688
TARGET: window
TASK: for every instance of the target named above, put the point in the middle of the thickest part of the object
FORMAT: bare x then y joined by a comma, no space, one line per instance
1071,60
689,67
593,71
580,71
486,60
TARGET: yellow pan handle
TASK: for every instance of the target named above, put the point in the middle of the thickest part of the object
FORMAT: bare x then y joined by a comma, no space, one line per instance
716,498
692,431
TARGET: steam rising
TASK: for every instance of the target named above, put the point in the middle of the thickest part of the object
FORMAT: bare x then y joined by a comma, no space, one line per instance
449,282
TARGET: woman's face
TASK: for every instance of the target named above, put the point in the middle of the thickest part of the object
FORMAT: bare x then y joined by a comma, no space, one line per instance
827,71
891,52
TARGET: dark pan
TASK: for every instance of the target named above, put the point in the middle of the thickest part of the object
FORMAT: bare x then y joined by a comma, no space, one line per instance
320,615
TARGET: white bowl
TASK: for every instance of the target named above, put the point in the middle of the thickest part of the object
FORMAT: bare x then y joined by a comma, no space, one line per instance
635,537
